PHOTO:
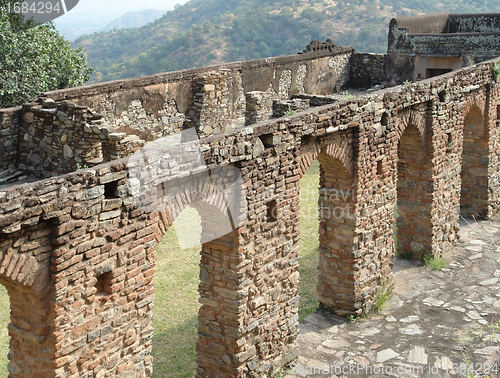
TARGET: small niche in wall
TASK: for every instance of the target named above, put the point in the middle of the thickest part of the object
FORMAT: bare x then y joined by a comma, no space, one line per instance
379,168
385,119
110,190
267,140
498,111
272,211
103,284
442,96
449,143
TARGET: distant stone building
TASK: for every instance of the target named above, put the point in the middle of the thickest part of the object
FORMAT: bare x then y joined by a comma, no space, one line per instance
425,46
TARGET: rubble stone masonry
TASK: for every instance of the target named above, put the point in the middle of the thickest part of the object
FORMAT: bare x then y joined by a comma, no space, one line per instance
78,252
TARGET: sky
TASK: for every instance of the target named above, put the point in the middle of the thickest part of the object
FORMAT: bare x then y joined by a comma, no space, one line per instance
90,16
117,8
112,5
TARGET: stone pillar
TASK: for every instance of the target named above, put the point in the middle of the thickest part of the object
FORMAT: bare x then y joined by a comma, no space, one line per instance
259,106
24,271
337,238
212,106
493,130
222,350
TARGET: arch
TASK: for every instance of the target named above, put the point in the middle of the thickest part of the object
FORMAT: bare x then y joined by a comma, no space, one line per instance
336,287
339,146
218,198
474,173
411,117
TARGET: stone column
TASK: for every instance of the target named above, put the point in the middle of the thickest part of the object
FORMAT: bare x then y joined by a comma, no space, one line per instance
337,238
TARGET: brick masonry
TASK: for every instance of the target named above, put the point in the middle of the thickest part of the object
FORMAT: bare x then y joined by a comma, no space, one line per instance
78,252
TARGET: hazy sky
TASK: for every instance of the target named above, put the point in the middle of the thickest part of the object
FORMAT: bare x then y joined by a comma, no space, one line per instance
116,8
112,5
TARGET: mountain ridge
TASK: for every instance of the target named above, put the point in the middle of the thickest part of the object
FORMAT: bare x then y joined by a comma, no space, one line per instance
204,32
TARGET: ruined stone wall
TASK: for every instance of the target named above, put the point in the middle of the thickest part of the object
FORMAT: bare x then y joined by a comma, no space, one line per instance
469,38
259,106
9,131
101,226
367,70
159,105
58,138
212,99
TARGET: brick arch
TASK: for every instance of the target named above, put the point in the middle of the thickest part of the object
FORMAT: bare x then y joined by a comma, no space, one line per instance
216,195
336,218
408,117
477,100
337,146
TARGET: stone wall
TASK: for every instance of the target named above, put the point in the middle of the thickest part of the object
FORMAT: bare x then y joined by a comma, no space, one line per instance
456,40
367,70
212,99
9,126
159,105
61,137
473,23
259,106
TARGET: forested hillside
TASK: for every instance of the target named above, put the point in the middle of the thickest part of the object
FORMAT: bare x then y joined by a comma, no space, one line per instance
203,32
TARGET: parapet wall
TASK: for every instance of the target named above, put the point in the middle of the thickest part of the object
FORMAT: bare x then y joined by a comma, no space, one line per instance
430,147
474,23
211,99
158,105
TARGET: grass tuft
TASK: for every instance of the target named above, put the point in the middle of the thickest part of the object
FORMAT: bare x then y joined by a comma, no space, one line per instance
383,295
347,96
435,263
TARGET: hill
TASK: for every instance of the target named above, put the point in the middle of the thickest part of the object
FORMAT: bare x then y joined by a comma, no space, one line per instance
135,19
203,32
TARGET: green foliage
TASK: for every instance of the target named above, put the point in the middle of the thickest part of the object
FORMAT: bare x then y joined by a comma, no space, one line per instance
405,255
496,70
406,82
80,167
291,112
34,59
435,263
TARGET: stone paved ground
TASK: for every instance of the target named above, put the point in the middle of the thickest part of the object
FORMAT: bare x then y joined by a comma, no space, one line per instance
433,320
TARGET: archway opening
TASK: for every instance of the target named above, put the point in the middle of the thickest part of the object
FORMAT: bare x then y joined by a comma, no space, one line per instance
413,222
474,174
337,266
176,297
327,236
309,240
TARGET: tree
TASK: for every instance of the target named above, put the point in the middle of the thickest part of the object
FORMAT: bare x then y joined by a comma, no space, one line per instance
34,59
